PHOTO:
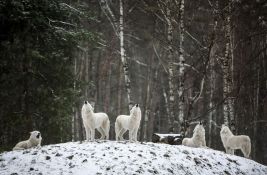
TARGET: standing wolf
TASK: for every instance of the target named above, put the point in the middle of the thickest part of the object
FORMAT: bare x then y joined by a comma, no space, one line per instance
128,122
232,142
198,139
92,121
34,140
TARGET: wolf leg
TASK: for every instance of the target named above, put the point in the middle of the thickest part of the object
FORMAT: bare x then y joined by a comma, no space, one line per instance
92,134
38,146
117,129
131,135
121,133
106,129
135,134
184,141
87,133
102,132
204,143
227,150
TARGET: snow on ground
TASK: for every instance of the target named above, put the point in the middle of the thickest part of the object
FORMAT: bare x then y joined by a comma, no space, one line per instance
111,157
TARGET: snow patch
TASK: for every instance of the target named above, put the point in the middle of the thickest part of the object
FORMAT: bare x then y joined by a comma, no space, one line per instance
111,157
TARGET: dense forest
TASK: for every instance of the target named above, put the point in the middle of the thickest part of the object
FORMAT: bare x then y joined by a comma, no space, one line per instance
182,61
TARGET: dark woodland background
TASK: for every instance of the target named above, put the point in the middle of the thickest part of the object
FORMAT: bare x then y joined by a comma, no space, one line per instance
56,54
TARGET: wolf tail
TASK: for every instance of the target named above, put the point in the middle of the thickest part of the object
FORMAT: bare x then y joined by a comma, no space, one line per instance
117,129
17,148
247,148
107,128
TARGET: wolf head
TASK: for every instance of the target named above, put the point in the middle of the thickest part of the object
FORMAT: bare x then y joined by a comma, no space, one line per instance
35,135
199,129
225,130
135,111
87,107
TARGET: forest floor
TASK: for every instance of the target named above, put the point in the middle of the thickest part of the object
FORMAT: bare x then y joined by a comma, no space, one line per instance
111,157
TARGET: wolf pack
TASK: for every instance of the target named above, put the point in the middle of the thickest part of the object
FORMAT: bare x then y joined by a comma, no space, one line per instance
100,121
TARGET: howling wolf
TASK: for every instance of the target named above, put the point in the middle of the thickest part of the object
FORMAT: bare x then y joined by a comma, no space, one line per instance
34,140
232,142
198,139
92,121
128,122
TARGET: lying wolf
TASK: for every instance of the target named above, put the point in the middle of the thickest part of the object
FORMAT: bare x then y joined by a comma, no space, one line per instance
34,140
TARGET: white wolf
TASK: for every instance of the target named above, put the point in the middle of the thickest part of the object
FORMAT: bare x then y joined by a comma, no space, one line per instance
92,121
232,142
198,139
34,140
128,122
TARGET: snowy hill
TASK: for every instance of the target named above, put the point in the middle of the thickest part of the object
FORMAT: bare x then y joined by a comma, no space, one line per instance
111,157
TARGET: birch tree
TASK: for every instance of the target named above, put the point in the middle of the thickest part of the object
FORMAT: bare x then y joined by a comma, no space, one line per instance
212,71
227,72
119,31
123,58
181,77
147,106
231,88
166,12
170,62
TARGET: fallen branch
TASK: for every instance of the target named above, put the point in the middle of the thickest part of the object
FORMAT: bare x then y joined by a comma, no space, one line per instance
172,139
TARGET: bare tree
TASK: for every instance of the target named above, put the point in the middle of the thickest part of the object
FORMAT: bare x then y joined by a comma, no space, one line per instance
181,75
119,31
123,57
212,68
165,8
227,72
147,106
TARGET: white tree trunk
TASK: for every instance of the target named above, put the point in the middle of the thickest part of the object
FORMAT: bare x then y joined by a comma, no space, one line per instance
170,65
227,73
119,89
109,14
73,120
181,65
232,98
166,12
123,58
167,106
86,58
119,27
